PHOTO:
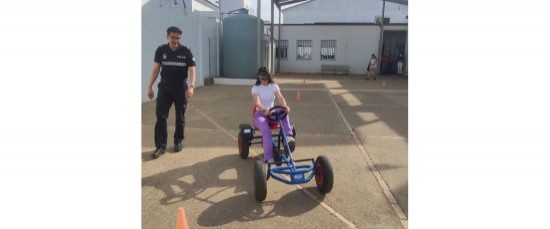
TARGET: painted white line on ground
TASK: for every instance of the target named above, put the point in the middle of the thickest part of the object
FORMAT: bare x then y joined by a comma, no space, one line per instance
322,203
405,223
345,90
316,135
213,122
385,137
329,209
386,190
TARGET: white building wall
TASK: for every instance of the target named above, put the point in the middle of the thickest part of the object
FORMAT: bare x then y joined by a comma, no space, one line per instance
209,43
396,12
196,28
364,11
354,45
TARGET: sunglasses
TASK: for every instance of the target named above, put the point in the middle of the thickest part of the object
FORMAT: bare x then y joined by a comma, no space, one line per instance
263,77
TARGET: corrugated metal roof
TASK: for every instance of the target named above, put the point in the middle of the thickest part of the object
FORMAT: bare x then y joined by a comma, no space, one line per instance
210,2
290,3
299,2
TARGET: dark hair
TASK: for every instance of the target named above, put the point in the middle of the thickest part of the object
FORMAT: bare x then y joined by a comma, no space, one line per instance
263,71
173,29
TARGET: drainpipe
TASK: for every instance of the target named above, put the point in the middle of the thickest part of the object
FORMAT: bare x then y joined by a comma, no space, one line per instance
260,37
279,42
381,41
218,47
271,60
220,42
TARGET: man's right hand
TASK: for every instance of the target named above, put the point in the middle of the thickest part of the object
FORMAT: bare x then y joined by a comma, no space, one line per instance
150,93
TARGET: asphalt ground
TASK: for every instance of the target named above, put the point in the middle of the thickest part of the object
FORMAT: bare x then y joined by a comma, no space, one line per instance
361,126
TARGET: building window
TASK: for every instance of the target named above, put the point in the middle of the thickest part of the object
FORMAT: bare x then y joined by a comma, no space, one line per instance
303,50
328,50
282,49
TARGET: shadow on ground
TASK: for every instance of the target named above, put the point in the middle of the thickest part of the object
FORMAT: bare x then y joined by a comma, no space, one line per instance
245,208
401,193
177,186
382,166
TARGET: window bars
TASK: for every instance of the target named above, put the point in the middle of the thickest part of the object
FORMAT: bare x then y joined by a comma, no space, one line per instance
328,49
303,50
282,49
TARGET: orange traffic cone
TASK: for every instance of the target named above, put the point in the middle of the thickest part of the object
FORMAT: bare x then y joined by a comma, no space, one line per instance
181,220
298,97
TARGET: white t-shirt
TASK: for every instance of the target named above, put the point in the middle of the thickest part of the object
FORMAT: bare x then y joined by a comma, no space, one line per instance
266,94
373,63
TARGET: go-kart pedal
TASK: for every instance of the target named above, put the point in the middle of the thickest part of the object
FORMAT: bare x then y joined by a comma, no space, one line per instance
277,156
291,145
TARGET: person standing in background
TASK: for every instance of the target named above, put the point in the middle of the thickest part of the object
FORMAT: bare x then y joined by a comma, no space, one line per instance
400,60
372,67
384,64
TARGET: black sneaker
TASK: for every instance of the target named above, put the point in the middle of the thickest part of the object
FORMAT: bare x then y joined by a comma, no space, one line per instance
374,78
367,78
178,146
291,144
157,153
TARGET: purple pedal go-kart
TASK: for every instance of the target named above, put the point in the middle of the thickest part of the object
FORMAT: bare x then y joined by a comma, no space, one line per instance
284,168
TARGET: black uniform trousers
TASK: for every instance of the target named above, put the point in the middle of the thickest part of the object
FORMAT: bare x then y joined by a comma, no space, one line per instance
165,98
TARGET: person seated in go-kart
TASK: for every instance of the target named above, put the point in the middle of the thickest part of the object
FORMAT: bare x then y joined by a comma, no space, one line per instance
263,95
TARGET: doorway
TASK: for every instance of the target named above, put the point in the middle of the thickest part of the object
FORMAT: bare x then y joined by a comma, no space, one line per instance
393,45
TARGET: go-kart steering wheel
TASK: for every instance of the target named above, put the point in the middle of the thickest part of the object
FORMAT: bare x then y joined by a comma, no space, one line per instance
277,111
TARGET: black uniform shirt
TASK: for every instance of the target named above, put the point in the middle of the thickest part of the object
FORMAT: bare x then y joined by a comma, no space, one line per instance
174,64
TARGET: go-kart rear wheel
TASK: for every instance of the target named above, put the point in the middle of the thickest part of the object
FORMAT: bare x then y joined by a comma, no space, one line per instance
260,181
243,145
323,174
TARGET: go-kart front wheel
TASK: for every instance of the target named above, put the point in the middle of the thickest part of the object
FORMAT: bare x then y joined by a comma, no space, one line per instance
260,181
323,175
243,145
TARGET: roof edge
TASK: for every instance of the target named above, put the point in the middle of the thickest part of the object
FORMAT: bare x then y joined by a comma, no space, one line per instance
344,23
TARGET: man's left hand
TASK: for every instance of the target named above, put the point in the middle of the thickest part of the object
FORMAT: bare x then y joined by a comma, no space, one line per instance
190,92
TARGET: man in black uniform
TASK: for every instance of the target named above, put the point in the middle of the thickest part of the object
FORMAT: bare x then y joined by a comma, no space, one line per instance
175,63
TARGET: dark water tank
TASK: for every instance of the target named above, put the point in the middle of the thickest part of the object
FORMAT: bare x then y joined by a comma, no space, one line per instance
241,35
